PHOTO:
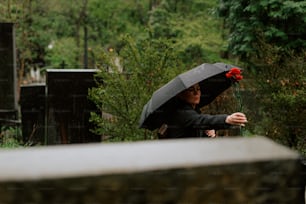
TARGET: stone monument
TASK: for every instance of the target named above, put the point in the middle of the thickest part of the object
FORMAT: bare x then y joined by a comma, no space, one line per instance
8,90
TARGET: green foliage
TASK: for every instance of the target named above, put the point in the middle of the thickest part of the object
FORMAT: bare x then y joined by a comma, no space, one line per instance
125,87
63,53
283,23
10,11
269,36
189,24
10,137
109,20
280,83
193,27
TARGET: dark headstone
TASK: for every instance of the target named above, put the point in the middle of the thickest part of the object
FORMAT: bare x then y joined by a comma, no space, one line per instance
32,105
8,103
68,106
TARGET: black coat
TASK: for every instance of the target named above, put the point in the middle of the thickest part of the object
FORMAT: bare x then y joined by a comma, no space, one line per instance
183,121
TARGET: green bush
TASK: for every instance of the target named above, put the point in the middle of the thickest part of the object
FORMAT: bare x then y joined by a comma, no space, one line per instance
125,83
10,137
280,83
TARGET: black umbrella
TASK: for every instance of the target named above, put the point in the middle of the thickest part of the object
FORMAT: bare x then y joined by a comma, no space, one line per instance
211,78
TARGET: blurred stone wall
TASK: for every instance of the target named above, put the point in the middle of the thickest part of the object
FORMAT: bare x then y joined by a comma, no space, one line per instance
225,170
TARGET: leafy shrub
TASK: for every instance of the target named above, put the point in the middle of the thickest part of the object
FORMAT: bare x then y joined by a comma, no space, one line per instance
125,83
280,83
10,137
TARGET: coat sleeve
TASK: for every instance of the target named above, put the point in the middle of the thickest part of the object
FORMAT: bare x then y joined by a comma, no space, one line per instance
188,117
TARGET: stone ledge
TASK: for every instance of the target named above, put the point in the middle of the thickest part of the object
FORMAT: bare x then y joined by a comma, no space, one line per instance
68,161
224,170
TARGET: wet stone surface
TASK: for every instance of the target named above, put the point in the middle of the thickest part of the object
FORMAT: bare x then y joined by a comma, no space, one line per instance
155,172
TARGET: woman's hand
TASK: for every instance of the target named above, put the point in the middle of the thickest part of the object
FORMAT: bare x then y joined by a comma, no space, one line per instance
210,133
236,119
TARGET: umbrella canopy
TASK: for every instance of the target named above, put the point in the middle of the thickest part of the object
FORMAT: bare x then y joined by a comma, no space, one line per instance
211,78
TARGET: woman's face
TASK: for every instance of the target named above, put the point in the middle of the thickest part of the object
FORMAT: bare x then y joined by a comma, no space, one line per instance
191,95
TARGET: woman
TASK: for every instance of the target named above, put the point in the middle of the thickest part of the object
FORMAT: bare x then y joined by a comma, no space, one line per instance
186,120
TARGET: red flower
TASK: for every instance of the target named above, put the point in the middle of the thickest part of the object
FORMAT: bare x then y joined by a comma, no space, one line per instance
234,73
239,77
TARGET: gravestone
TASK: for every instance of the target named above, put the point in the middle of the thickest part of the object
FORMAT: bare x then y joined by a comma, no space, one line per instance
8,102
68,107
223,170
32,106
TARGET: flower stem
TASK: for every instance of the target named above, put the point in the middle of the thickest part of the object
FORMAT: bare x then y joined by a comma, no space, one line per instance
239,108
